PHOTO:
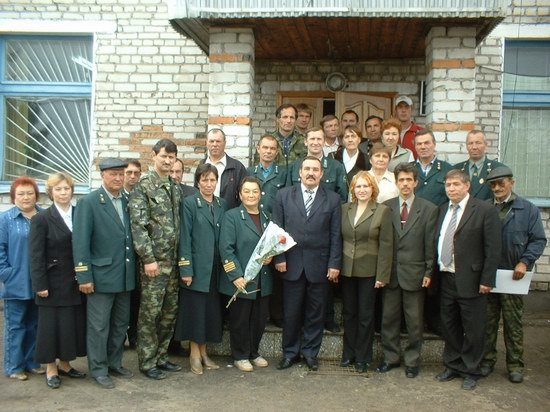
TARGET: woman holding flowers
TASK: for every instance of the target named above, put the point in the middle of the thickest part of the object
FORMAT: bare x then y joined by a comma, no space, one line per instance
241,230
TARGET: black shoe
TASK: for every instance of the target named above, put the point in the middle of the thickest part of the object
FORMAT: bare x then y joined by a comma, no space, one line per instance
105,382
469,383
446,376
332,326
154,373
515,377
169,367
312,363
121,372
72,373
386,367
486,370
285,363
346,362
411,371
53,381
361,367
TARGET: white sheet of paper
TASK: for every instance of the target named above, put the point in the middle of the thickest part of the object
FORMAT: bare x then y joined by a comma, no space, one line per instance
505,283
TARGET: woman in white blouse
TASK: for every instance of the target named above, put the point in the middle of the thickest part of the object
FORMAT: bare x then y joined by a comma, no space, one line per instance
379,159
391,130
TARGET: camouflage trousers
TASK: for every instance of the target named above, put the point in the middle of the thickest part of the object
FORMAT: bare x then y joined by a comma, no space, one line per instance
511,307
157,315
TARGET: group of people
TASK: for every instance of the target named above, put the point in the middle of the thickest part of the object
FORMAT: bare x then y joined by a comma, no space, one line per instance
372,214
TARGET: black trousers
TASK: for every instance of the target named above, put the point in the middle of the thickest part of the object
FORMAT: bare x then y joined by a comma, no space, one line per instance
463,325
276,299
247,320
304,305
358,296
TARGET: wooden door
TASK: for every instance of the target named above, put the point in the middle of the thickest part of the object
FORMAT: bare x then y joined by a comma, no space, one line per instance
365,105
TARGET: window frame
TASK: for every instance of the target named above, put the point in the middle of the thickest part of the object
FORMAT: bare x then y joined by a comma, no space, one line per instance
11,88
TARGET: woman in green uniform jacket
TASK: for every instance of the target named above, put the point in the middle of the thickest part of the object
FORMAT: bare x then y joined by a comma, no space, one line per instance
241,230
199,314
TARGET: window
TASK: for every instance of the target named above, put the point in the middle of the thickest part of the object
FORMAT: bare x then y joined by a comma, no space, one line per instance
526,115
45,101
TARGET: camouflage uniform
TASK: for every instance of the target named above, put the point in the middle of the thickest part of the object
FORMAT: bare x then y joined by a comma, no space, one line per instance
154,214
296,149
523,240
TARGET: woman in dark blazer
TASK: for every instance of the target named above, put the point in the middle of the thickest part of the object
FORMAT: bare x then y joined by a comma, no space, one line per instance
200,314
367,235
61,311
241,230
353,159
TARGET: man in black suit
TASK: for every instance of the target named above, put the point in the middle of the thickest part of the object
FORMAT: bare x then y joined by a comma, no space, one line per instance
311,214
414,222
468,247
176,173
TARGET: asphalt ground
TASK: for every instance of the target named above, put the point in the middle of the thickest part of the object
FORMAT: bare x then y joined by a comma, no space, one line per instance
296,389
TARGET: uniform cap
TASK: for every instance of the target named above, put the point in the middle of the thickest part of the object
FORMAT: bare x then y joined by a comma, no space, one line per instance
499,173
112,163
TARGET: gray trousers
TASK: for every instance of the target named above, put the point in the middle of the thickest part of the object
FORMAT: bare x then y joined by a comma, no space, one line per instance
108,316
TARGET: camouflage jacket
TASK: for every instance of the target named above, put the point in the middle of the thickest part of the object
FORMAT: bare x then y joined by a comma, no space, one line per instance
296,151
155,218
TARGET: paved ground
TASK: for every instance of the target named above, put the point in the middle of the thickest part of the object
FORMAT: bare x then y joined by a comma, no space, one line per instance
295,389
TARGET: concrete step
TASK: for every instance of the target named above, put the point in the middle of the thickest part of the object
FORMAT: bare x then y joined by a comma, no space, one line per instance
331,348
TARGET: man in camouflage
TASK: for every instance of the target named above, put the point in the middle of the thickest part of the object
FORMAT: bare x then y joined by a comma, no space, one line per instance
523,241
154,214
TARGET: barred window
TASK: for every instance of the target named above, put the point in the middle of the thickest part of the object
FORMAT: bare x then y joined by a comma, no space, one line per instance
45,100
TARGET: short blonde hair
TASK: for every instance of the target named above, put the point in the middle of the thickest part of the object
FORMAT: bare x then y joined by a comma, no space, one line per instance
370,180
55,179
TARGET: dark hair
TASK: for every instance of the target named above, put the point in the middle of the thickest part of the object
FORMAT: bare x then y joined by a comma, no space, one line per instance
283,107
404,167
23,181
166,144
423,132
327,118
311,158
458,174
353,112
216,130
355,130
302,107
250,179
134,162
379,148
268,137
181,161
204,169
374,117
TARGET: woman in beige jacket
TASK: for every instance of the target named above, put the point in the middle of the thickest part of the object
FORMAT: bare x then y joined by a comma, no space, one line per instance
367,257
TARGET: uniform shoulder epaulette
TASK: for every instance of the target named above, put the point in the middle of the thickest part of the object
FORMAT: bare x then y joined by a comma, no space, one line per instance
228,266
184,262
81,267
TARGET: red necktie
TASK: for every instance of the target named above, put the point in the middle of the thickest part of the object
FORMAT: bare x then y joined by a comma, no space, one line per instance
404,215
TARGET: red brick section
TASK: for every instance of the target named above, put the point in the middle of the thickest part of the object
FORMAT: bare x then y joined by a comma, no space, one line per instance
450,127
452,64
229,58
245,121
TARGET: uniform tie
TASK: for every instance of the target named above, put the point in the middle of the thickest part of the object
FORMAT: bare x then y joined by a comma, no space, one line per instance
404,215
474,170
309,201
448,240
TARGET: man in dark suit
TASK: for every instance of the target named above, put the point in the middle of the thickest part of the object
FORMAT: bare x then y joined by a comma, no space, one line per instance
176,173
230,170
414,222
105,267
311,214
478,166
468,248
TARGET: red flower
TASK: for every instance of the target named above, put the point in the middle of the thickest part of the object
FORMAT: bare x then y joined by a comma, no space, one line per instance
282,239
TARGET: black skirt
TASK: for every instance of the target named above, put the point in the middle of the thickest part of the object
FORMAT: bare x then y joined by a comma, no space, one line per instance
200,314
61,333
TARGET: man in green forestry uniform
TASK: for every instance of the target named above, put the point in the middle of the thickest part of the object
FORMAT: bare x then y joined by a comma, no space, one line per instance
105,270
154,214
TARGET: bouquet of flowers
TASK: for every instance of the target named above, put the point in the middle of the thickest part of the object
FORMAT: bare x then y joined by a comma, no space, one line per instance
273,242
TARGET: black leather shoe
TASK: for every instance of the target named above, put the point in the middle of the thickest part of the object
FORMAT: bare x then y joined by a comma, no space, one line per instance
72,373
312,363
53,381
469,383
486,370
121,372
169,367
411,371
346,362
515,377
386,367
154,373
332,326
285,363
105,382
446,376
361,367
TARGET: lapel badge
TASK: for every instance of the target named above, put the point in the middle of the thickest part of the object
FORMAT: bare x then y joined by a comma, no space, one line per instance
481,181
101,199
438,165
199,204
242,214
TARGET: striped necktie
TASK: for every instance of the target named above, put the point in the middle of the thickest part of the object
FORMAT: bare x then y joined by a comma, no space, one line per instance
309,201
448,241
